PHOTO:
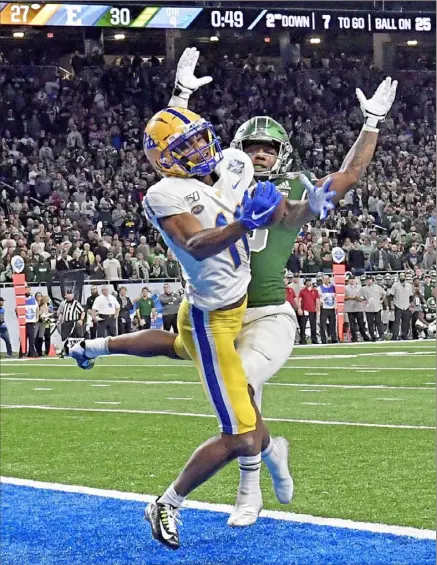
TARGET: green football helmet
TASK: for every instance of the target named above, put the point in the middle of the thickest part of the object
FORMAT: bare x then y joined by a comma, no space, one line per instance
263,129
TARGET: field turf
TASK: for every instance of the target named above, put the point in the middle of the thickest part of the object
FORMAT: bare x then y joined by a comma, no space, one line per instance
360,421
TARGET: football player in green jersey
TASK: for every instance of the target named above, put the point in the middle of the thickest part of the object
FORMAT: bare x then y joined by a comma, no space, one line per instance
268,335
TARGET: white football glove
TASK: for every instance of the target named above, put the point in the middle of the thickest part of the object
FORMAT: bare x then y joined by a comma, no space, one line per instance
376,108
186,83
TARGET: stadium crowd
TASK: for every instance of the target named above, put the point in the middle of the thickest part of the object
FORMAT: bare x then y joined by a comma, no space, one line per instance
73,172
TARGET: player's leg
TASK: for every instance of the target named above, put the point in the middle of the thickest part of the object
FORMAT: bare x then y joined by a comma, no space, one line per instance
264,345
209,339
145,343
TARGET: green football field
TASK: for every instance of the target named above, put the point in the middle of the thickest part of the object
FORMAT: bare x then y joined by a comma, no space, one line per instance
360,421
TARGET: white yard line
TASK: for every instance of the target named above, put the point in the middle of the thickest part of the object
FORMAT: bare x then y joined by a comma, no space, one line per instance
391,399
379,344
356,355
42,389
316,403
197,415
316,374
310,390
115,403
181,383
179,398
226,508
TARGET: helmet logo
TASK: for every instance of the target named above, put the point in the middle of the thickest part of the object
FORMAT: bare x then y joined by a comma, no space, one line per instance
149,142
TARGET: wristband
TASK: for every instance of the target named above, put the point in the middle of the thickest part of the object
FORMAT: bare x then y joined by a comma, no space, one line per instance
181,92
368,127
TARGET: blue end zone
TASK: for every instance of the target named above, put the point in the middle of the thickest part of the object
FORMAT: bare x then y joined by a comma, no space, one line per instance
52,528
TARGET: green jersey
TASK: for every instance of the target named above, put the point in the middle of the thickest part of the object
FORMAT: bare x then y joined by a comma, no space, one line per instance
270,250
145,307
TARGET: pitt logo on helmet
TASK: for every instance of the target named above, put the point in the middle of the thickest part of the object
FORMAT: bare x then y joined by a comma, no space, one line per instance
179,143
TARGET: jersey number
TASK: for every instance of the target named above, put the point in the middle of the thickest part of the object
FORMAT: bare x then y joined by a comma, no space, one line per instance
220,222
258,240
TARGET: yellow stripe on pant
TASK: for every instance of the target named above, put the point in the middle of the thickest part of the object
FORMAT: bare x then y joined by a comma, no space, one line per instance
209,338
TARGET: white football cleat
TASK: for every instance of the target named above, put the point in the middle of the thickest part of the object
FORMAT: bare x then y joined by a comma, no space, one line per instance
282,480
246,511
77,352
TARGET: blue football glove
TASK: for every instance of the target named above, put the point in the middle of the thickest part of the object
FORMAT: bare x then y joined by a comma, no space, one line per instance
319,197
258,208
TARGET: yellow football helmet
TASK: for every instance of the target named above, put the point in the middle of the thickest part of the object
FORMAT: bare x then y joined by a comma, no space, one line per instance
179,143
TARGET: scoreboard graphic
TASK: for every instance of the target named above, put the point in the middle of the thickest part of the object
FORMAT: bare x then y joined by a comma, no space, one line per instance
90,15
210,19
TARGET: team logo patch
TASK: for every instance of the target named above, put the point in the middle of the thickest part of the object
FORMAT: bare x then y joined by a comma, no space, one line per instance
236,166
197,209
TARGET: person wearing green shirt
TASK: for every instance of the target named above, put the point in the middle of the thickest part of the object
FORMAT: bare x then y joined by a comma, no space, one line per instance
268,334
41,271
145,309
428,287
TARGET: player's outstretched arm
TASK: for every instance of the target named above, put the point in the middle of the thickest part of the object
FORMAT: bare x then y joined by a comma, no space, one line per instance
298,213
361,153
187,232
186,83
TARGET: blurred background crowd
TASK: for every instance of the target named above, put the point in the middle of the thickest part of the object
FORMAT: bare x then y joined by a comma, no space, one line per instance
73,173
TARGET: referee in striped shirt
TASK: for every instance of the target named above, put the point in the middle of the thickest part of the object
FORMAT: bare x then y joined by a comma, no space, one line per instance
71,315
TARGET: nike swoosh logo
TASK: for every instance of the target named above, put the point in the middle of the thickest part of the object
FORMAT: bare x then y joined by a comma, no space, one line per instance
164,534
234,186
258,216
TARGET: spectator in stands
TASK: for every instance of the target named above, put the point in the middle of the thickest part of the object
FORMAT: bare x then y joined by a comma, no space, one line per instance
112,268
157,270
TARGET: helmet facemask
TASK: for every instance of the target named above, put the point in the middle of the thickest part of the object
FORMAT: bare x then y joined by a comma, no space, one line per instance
197,151
264,131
